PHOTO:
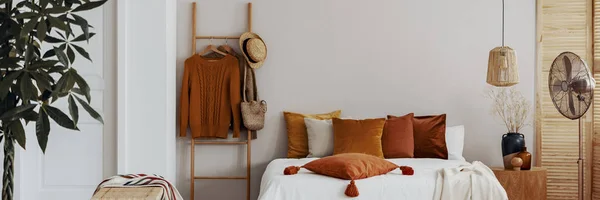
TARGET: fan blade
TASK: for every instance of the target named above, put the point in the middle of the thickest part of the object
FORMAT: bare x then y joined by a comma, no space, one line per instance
557,86
571,105
568,68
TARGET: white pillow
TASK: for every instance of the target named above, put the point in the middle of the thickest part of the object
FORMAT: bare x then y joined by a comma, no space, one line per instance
455,140
320,137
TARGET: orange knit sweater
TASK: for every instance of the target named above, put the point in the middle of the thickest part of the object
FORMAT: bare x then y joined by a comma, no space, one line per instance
210,97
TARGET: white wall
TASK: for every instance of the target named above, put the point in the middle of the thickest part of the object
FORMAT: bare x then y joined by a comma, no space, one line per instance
368,58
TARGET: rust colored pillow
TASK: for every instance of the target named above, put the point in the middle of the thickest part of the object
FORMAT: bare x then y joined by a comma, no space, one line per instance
350,166
429,136
296,131
358,136
397,140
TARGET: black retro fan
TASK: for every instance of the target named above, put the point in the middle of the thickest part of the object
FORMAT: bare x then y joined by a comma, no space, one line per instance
571,90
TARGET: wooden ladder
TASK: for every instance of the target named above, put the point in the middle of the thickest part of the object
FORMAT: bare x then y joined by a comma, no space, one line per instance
248,143
195,142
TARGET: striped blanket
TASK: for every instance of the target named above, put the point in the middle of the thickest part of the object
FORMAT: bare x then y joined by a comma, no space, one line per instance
142,180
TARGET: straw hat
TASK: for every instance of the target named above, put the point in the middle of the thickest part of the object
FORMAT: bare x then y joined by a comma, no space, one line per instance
254,49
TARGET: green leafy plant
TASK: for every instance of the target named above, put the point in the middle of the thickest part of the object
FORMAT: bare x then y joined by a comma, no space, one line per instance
39,41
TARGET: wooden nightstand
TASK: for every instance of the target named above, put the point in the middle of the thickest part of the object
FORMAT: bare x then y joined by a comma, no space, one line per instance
524,184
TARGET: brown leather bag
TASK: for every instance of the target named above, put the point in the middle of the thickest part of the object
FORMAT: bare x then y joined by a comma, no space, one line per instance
253,111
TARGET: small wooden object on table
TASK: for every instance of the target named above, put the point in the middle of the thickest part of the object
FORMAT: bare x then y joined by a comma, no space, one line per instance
523,184
130,193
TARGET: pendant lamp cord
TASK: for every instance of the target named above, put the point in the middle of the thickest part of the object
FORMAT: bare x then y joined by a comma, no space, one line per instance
502,22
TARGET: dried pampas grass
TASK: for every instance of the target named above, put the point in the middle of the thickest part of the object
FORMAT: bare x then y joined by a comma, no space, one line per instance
511,106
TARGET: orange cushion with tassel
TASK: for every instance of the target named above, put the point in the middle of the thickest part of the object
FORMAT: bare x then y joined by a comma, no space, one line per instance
350,166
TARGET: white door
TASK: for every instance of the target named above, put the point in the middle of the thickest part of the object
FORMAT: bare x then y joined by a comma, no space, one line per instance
76,161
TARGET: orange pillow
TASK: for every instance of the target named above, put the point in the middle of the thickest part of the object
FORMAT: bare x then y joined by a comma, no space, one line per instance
429,136
350,166
358,136
397,140
296,130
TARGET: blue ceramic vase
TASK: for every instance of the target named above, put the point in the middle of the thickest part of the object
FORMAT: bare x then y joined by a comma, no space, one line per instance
512,144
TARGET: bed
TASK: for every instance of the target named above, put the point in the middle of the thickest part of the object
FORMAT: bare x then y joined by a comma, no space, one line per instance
307,185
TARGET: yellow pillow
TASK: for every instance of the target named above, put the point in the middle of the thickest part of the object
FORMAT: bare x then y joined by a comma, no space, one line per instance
358,136
296,129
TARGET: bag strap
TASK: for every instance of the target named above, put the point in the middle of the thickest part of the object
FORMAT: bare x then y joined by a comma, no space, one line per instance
253,84
244,85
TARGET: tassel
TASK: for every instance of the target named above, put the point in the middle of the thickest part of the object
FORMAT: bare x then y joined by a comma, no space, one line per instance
351,190
406,170
291,170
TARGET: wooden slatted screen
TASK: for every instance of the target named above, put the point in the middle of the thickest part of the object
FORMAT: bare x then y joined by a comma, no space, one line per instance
596,70
562,25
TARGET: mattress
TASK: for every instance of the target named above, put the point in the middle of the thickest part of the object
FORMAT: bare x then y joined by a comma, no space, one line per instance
307,185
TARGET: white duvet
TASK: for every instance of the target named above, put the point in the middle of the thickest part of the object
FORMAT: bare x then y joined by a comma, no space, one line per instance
307,185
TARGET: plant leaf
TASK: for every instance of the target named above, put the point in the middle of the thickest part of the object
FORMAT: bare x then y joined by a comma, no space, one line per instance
61,35
43,3
57,10
16,89
17,112
42,82
57,69
60,118
42,129
26,15
78,91
28,27
42,64
73,110
30,116
16,128
28,90
90,110
89,6
70,54
64,85
82,52
55,22
82,37
10,62
8,103
51,39
58,87
7,82
50,52
28,55
83,85
42,30
62,57
84,26
32,6
71,79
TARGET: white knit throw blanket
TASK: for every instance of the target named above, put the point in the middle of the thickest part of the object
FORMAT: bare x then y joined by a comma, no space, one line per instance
475,181
142,180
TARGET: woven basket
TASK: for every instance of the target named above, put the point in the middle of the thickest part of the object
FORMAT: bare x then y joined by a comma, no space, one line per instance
130,193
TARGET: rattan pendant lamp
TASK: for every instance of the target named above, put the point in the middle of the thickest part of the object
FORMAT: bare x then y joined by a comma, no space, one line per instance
502,64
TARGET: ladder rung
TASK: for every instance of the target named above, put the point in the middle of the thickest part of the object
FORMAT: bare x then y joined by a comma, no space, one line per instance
219,143
221,177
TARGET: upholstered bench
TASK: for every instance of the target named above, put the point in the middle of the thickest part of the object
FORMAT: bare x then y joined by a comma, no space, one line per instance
131,193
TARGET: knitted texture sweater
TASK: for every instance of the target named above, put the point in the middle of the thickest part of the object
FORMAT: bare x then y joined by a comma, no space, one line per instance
210,97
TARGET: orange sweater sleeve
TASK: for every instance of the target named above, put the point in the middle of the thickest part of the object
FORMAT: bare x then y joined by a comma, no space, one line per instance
184,98
234,91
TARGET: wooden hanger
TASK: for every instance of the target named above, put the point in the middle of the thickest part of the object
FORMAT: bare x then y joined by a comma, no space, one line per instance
227,47
212,48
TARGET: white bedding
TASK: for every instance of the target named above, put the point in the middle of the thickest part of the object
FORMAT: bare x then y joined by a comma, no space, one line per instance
307,185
